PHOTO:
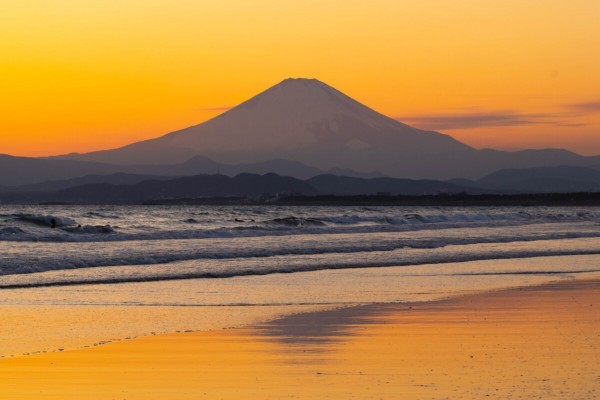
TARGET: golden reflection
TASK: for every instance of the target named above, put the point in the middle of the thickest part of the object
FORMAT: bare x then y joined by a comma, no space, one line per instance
540,342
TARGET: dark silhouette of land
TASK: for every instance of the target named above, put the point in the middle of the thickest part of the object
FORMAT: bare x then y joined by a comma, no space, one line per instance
276,189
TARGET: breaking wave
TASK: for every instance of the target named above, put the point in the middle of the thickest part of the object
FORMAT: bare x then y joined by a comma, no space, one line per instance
172,243
242,266
23,227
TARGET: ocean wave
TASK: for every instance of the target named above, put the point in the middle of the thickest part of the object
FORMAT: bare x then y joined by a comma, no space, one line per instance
291,225
11,230
91,229
95,214
239,267
46,220
39,257
297,222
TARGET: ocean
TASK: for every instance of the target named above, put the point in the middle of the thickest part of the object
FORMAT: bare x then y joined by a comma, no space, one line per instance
102,244
108,273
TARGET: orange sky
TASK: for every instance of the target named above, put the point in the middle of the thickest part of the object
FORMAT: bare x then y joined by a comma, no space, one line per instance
87,75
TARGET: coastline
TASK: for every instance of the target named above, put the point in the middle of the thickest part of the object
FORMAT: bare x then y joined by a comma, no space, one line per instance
40,320
528,341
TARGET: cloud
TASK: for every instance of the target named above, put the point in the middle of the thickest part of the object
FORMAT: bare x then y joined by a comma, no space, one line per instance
572,124
221,108
586,107
478,119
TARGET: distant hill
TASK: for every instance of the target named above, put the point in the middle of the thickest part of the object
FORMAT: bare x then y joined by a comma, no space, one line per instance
310,122
124,188
22,171
27,170
561,179
243,185
113,179
349,186
35,174
289,168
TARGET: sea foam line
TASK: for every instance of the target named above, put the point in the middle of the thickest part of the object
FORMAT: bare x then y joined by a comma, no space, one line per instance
37,258
280,264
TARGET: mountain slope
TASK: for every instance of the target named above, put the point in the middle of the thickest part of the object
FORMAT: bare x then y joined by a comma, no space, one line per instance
55,185
348,186
301,120
26,170
125,190
243,185
562,179
19,171
42,175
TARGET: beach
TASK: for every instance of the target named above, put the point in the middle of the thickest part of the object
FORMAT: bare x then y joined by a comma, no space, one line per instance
533,342
131,302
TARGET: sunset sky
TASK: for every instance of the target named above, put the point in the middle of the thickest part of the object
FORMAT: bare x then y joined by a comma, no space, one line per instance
88,75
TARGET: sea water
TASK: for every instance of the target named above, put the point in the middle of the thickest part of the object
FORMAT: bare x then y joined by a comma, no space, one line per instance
114,272
100,244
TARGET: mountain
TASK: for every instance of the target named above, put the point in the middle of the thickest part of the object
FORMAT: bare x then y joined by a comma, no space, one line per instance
290,168
562,179
243,185
301,120
127,189
280,167
20,171
27,170
56,185
355,174
42,175
310,122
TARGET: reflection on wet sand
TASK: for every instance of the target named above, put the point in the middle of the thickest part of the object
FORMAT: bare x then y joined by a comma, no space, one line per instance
323,328
534,342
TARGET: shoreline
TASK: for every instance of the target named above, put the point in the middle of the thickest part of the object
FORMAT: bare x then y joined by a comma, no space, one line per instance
47,319
423,350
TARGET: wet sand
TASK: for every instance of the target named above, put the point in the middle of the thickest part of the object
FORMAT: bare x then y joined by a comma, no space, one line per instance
539,342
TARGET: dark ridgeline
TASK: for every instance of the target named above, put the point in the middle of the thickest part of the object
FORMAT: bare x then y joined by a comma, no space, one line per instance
200,186
27,173
503,187
544,179
350,186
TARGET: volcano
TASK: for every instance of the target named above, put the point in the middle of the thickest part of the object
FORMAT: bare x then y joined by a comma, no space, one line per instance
308,121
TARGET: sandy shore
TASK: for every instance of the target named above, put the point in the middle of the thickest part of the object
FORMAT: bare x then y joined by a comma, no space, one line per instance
541,342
